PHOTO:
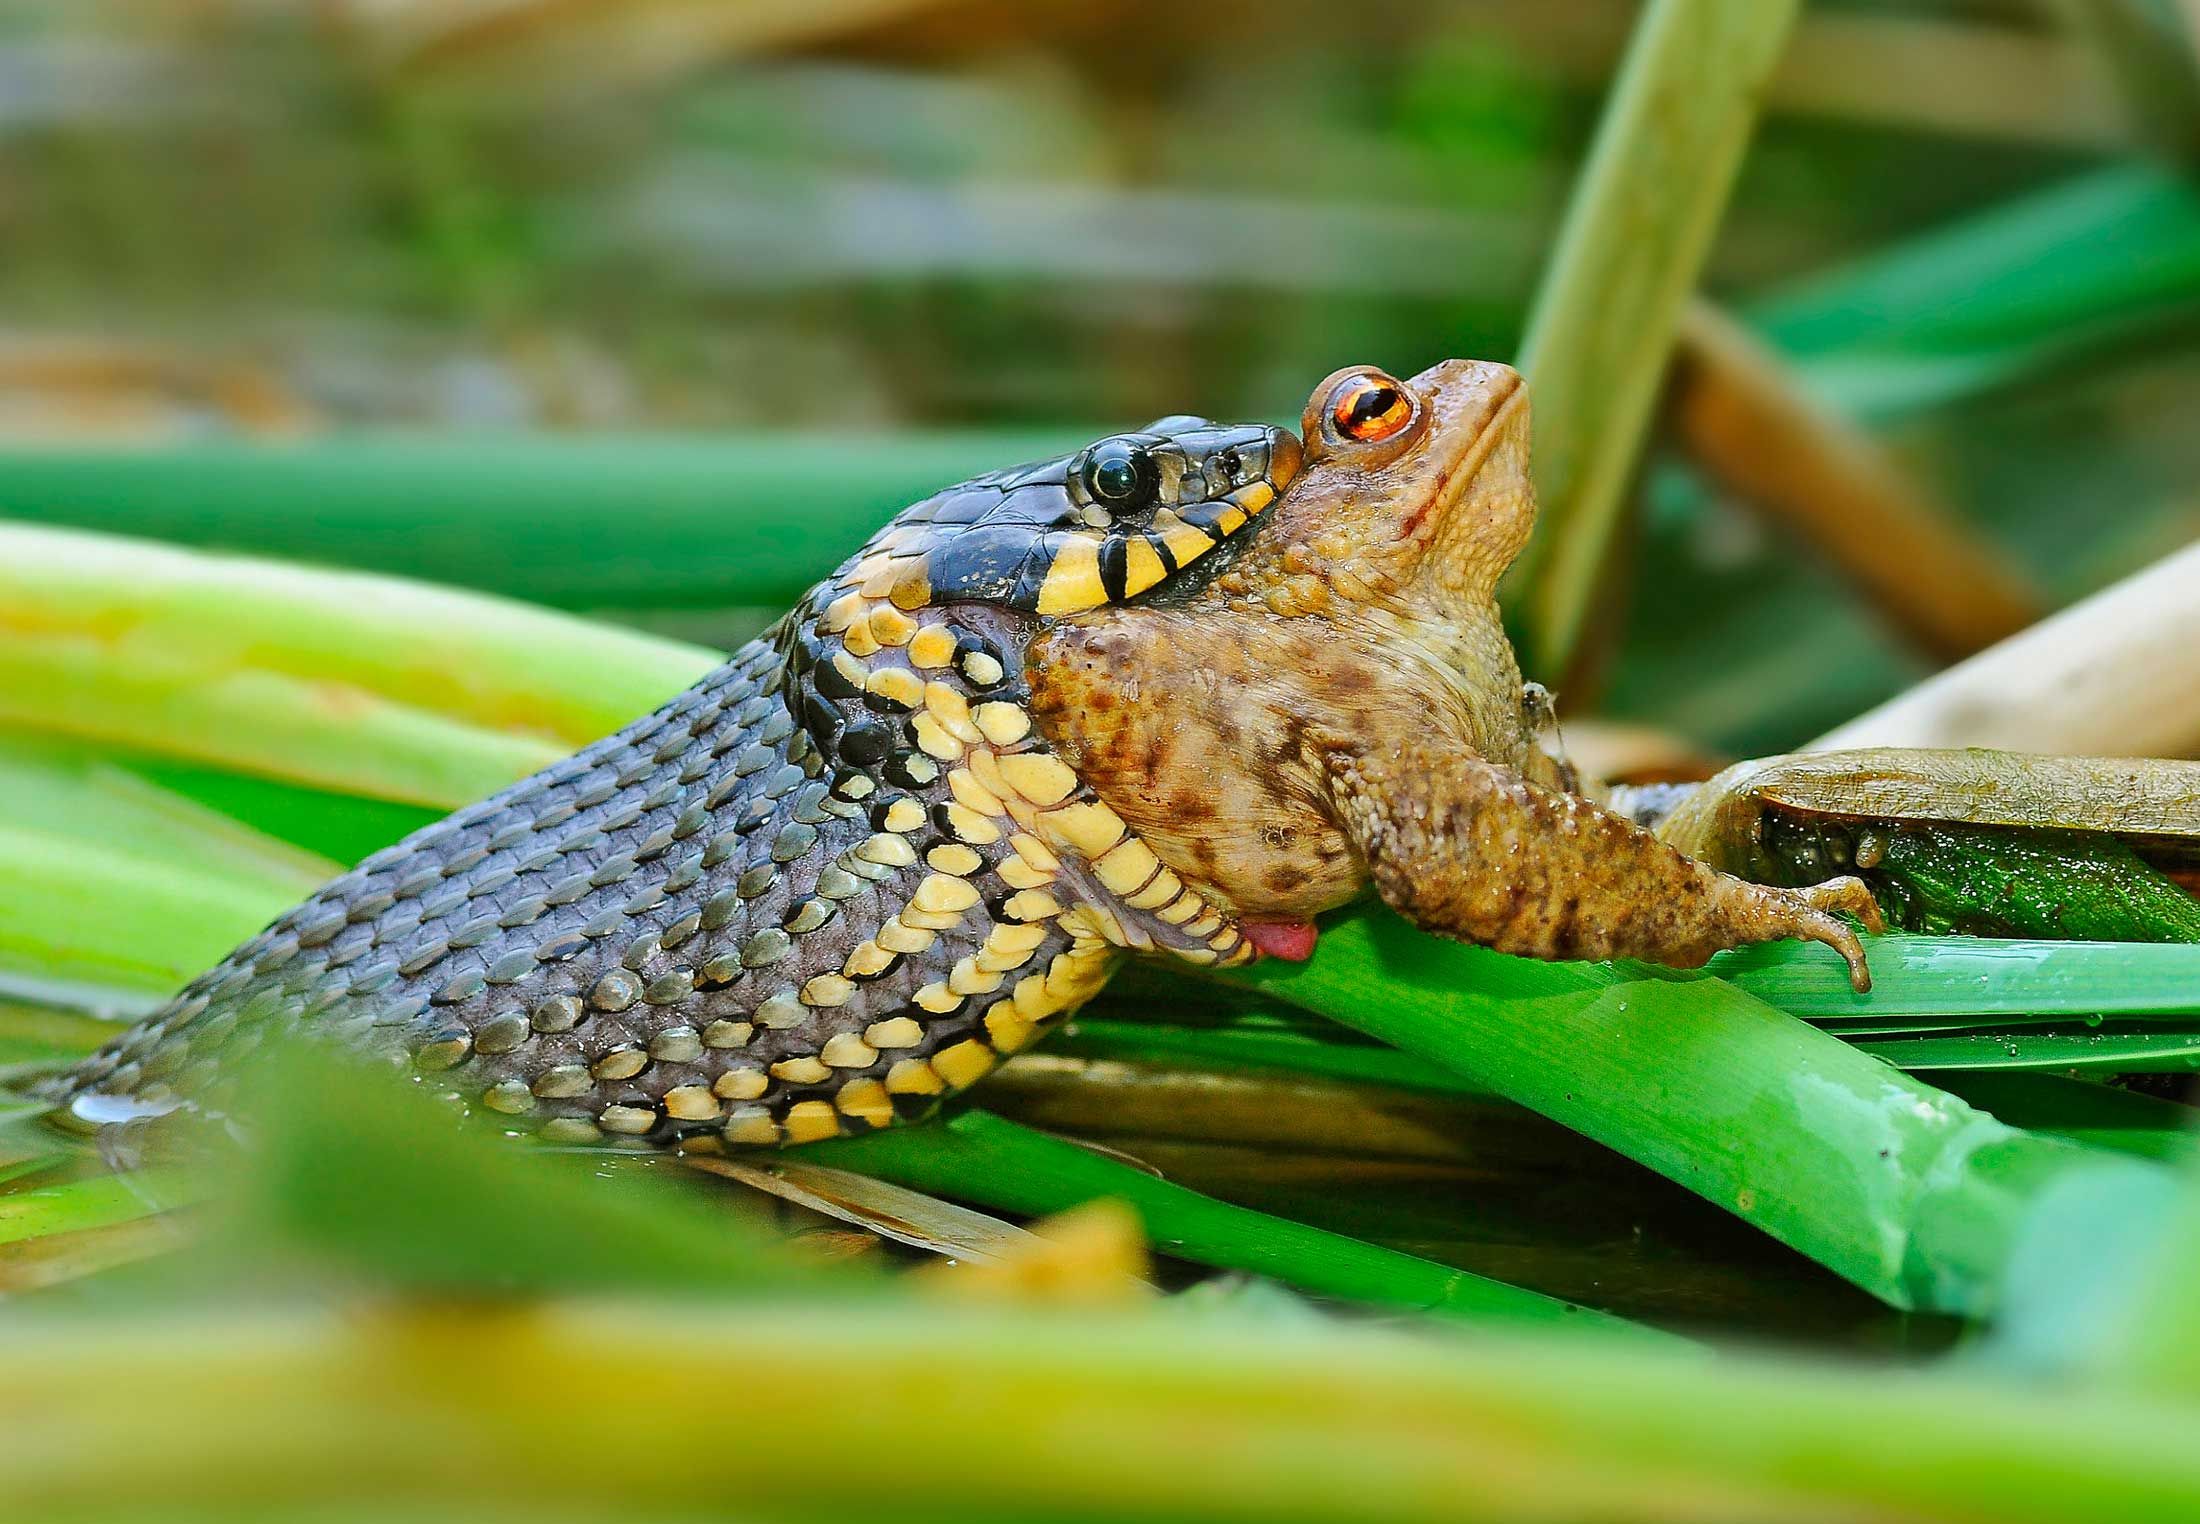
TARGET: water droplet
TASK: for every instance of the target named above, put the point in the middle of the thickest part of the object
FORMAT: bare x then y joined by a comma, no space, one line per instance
108,1110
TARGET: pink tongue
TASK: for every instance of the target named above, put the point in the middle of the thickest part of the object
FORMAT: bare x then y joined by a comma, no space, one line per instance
1292,941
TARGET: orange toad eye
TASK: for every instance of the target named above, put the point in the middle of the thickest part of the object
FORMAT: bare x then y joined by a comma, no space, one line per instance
1369,408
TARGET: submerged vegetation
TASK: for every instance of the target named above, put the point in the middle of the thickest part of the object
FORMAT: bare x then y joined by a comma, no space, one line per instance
1411,1231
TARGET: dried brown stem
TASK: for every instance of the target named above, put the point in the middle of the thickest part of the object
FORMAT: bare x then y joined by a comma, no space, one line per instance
1753,429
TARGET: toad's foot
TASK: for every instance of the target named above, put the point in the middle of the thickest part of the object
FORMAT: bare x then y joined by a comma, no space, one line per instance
1469,849
1813,915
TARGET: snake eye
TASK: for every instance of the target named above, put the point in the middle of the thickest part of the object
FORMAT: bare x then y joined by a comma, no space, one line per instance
1119,475
1369,408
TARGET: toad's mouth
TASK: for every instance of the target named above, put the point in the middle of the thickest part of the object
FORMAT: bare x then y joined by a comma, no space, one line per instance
1472,427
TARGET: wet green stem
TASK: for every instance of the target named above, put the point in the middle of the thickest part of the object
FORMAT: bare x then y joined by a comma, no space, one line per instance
1902,1188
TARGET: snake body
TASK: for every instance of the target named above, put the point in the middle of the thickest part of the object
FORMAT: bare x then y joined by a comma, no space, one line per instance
836,880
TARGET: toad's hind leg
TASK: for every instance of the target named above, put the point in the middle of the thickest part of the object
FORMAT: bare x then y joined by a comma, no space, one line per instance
1468,849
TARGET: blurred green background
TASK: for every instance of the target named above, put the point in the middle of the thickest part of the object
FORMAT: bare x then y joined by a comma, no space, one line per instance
517,293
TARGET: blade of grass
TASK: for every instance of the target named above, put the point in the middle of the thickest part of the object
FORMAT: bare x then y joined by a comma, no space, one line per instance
1233,1048
976,1156
2112,1301
29,1147
39,1034
60,896
98,1202
1601,330
1146,1103
1901,1188
1093,1413
2099,1052
2144,1325
83,842
1403,1086
345,1181
73,789
1924,1026
1926,980
2099,259
2084,1110
339,826
38,1264
1229,1050
1964,976
577,523
331,678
